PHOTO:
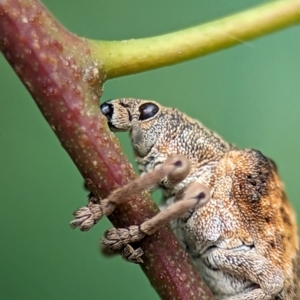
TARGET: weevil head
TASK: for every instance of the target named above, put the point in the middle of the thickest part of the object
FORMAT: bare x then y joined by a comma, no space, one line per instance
139,117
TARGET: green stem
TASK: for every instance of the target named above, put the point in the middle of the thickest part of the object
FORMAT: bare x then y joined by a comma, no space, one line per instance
133,56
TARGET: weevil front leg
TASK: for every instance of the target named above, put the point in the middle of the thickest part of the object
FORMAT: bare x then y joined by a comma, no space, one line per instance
175,169
195,196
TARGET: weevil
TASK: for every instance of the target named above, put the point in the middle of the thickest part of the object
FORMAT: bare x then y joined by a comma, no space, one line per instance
240,231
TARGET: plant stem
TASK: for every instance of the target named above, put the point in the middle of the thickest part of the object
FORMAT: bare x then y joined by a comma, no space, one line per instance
133,56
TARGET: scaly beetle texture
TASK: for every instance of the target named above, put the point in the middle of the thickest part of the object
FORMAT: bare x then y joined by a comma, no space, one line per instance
244,240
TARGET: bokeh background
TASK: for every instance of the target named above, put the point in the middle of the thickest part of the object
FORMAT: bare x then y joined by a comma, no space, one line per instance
249,94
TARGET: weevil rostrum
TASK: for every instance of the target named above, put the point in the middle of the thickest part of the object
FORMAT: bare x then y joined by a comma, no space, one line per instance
240,231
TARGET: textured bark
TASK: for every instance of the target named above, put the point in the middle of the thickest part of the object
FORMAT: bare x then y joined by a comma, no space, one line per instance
65,80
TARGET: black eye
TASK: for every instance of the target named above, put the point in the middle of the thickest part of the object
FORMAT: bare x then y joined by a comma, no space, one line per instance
107,109
148,110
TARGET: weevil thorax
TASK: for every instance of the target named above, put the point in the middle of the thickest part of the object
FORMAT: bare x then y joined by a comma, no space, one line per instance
158,132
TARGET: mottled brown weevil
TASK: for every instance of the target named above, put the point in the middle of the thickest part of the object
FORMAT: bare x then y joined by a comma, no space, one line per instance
226,205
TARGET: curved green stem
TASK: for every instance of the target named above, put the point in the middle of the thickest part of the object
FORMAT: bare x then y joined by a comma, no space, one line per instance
133,56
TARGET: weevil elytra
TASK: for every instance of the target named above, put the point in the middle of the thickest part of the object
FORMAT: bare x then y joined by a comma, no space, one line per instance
226,205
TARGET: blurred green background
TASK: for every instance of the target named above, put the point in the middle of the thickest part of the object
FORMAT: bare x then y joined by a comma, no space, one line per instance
249,94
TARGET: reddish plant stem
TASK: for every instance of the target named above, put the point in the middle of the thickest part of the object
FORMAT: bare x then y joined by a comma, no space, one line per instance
64,79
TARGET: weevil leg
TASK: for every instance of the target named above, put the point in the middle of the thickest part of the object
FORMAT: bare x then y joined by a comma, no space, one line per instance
195,196
87,216
132,255
128,253
174,168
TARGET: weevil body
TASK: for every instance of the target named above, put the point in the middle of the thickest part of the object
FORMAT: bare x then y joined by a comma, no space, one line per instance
244,242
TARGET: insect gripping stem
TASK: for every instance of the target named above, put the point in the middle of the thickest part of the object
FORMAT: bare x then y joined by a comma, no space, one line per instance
196,196
175,169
